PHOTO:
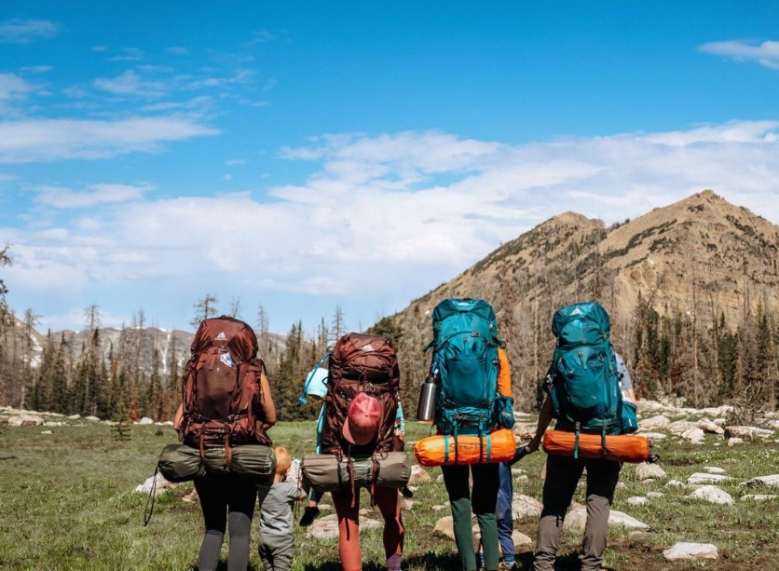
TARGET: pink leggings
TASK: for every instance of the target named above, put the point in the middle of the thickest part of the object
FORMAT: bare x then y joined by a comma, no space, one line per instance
388,501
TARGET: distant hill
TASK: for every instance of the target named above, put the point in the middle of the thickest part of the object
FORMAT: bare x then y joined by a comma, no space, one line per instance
696,261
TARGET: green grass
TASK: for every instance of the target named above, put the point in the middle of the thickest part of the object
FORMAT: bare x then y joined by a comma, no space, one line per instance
67,503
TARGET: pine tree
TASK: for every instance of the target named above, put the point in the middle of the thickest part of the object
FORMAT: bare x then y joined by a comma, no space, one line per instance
205,308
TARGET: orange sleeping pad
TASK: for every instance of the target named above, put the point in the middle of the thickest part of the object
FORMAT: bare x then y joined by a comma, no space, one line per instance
623,448
439,449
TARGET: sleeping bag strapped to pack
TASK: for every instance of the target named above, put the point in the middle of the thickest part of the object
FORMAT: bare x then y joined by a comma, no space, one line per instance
583,382
439,449
465,365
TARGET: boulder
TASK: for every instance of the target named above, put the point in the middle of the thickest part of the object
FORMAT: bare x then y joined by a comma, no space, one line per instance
700,478
645,471
771,481
713,495
748,432
658,422
525,507
521,541
679,427
25,419
92,418
654,495
638,500
759,497
406,504
53,423
444,527
654,435
710,427
694,435
419,475
734,440
440,507
714,470
718,411
327,527
146,420
74,417
576,519
685,550
46,432
162,485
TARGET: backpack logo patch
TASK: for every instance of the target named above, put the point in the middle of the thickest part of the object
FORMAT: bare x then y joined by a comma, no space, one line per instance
227,359
367,348
221,336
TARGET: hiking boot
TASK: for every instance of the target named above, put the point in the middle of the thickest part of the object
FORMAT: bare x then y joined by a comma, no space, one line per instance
508,566
309,515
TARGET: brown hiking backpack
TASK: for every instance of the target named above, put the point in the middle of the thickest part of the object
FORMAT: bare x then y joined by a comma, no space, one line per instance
221,389
368,364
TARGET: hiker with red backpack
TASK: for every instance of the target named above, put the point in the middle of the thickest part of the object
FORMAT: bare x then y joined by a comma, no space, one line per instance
472,397
226,404
360,444
585,396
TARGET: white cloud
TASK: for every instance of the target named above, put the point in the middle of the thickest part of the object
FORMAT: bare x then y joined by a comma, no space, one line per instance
35,140
95,195
765,53
130,83
389,216
126,54
13,87
18,31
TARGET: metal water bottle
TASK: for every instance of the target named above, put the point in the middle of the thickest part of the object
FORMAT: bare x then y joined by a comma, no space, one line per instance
426,408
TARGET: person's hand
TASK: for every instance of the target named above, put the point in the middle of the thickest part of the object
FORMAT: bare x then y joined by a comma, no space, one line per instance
533,445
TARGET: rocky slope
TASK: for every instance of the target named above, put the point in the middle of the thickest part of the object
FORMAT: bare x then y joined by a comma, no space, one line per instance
701,256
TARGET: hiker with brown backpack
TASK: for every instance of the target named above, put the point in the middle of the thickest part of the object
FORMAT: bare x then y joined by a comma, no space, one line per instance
360,443
226,408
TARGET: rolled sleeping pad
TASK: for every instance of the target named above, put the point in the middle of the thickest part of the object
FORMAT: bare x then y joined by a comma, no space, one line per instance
622,448
326,473
179,462
494,448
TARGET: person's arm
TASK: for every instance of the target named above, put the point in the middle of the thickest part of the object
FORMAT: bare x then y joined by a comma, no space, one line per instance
178,417
544,418
266,402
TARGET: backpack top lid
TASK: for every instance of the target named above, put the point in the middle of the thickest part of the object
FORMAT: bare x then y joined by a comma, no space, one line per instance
581,324
232,334
454,306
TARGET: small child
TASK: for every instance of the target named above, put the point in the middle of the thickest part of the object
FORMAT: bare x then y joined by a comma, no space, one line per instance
277,542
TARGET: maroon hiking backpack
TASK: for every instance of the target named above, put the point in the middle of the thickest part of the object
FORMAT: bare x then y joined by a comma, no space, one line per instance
221,389
361,364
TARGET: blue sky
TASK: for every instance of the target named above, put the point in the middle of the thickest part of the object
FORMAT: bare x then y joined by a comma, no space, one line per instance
303,155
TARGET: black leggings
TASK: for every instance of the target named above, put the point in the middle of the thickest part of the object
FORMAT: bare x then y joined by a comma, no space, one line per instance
226,500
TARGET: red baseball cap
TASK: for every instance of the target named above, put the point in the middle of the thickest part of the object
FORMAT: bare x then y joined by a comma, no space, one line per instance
362,420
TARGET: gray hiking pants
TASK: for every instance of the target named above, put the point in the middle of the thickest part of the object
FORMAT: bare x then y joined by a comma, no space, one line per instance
277,552
562,475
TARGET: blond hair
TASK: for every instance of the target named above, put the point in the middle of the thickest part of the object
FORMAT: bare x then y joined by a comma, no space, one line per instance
283,460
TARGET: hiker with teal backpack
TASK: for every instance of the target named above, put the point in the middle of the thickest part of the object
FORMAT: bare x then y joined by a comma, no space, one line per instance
465,368
584,395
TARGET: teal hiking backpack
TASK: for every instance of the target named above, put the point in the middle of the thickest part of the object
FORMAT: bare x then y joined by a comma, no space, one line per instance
585,391
465,367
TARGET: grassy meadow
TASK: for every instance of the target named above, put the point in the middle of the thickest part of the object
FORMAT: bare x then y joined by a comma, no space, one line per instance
67,502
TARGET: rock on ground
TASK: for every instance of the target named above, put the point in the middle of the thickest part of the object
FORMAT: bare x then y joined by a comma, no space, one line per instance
694,435
685,550
521,541
711,427
658,422
713,495
699,478
675,484
92,418
525,507
748,432
645,470
654,495
679,427
576,519
163,485
734,440
638,500
654,435
714,470
327,527
443,527
771,481
25,419
146,420
419,475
